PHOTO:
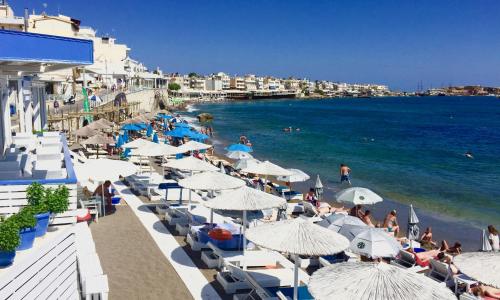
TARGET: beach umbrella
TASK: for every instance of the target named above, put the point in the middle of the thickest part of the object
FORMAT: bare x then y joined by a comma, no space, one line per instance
199,136
374,281
238,155
85,131
136,143
149,130
194,146
221,168
105,121
296,176
318,188
413,230
347,226
239,147
178,132
76,146
358,196
98,139
182,125
485,242
245,199
155,138
105,169
131,127
99,126
266,168
190,163
119,142
297,237
375,243
482,266
213,181
245,163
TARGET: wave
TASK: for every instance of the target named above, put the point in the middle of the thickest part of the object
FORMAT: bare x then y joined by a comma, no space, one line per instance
191,108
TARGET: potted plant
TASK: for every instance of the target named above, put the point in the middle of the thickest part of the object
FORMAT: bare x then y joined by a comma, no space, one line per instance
9,240
26,223
57,200
36,199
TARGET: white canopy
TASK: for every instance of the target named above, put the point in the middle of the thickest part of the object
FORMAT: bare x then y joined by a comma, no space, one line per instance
267,168
136,143
245,198
245,163
374,281
347,226
358,195
375,243
193,146
239,155
190,163
211,181
154,149
104,169
482,266
296,176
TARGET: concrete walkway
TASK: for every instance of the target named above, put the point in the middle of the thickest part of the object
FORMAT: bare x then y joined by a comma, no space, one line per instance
135,266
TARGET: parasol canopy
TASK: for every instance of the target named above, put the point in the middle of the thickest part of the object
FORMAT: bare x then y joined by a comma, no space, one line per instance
358,196
245,198
374,281
375,243
211,181
267,168
245,163
190,163
296,176
193,146
85,131
98,139
482,266
239,155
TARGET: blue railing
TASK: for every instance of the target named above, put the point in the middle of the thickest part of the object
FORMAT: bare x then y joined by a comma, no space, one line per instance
70,177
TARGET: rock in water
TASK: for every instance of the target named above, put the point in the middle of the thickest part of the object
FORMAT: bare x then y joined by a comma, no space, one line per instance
205,117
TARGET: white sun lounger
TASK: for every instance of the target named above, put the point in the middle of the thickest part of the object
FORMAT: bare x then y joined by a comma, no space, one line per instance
217,257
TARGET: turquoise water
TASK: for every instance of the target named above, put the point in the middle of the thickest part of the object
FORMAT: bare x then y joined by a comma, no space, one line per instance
410,150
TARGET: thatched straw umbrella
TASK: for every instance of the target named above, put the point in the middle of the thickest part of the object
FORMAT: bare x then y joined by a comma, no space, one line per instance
245,199
97,140
358,196
482,266
374,281
297,237
85,131
99,125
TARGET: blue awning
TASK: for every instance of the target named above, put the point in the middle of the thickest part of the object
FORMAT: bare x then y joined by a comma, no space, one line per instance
19,46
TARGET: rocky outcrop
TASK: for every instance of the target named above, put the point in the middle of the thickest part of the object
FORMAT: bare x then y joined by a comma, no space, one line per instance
205,117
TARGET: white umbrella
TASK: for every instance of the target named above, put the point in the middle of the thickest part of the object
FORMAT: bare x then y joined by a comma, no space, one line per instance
245,163
105,169
238,155
347,226
136,143
485,242
374,281
193,146
482,266
244,199
213,181
413,230
318,187
151,149
296,176
266,168
375,243
298,237
358,195
190,163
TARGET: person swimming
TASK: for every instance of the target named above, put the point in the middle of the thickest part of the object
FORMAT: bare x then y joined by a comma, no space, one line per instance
468,154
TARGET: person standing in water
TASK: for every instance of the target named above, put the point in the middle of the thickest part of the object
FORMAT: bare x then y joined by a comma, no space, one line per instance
345,174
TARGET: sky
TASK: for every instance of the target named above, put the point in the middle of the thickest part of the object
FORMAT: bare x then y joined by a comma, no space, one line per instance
399,43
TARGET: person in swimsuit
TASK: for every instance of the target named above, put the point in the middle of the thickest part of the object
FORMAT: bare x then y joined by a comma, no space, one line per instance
454,250
426,238
345,174
367,218
486,291
391,223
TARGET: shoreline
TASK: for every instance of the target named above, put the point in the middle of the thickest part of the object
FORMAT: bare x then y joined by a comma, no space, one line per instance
443,226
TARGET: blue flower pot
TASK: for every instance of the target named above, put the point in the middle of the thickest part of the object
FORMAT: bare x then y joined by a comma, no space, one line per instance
27,238
7,258
115,200
42,224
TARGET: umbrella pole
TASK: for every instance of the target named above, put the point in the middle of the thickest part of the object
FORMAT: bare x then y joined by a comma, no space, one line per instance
265,183
103,200
211,217
189,199
244,238
296,277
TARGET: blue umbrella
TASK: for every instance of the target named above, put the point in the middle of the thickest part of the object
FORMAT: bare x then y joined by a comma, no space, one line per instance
125,137
119,142
182,125
155,138
160,116
177,133
141,125
239,147
149,130
126,153
200,136
131,127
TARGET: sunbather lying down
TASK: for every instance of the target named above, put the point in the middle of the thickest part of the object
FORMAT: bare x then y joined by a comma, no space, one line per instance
486,291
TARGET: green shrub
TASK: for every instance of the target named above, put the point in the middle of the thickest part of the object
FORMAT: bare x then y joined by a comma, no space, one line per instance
35,193
9,236
57,200
38,209
23,219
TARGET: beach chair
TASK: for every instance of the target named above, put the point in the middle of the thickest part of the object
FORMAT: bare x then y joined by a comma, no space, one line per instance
233,278
439,271
468,296
217,257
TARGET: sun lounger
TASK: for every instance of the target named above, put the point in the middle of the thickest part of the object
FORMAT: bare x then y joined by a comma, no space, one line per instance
217,257
345,256
286,293
467,296
234,278
406,260
439,271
